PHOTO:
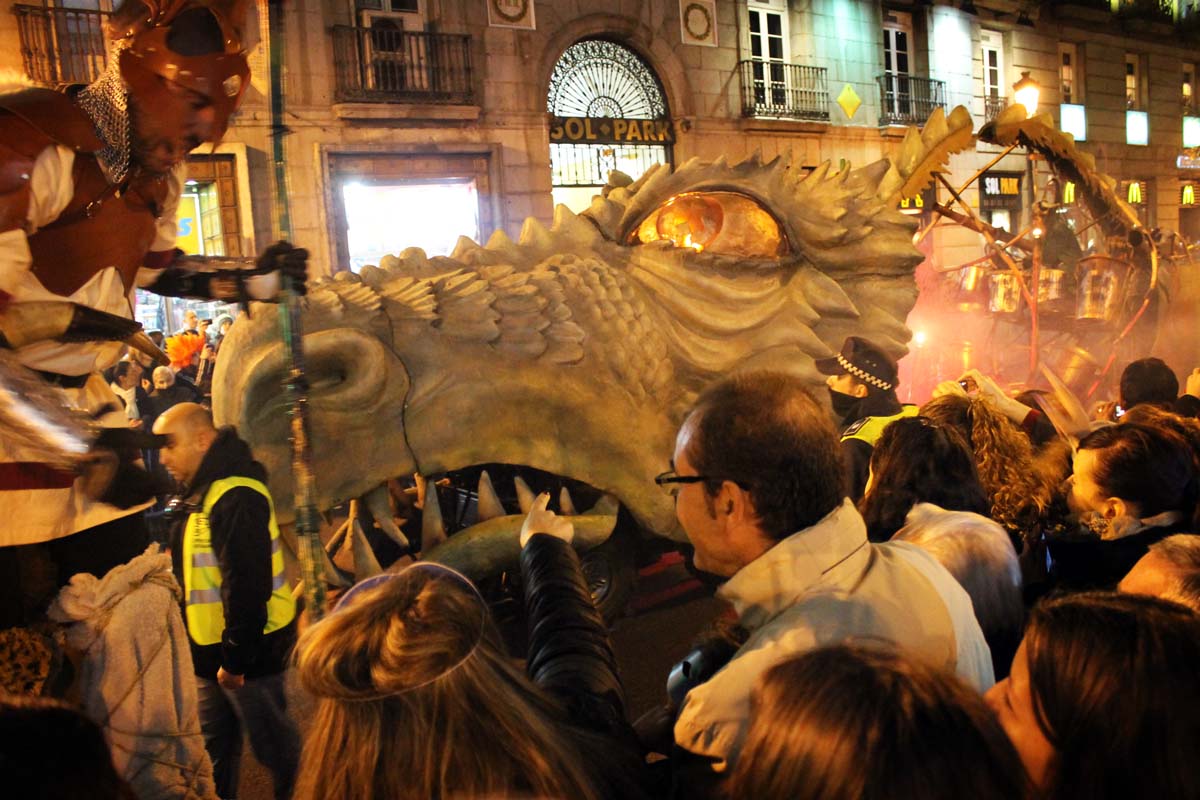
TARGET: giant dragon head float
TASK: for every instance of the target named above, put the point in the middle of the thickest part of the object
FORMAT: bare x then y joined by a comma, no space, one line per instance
577,349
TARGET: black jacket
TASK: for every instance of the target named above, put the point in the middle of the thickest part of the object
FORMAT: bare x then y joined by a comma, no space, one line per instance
241,539
570,658
1088,562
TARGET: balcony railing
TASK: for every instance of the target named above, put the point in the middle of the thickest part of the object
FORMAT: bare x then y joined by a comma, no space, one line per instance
993,107
62,45
790,91
380,65
908,100
1156,10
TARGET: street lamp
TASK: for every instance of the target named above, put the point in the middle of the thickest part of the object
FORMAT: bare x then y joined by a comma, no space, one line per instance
1026,92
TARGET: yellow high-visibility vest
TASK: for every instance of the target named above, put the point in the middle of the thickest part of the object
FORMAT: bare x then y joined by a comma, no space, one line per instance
869,429
202,575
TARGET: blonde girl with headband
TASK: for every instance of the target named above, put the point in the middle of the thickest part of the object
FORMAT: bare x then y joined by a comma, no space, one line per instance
417,698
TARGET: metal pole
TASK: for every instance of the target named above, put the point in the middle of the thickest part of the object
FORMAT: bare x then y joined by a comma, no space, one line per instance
308,540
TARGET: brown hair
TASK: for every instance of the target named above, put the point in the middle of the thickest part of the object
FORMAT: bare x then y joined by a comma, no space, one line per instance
766,432
1149,466
1113,682
417,699
857,723
916,460
1018,495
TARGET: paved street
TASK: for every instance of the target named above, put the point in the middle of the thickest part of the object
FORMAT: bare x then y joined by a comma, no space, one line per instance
668,611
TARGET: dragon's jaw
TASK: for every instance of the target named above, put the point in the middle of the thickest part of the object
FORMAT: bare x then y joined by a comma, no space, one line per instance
375,415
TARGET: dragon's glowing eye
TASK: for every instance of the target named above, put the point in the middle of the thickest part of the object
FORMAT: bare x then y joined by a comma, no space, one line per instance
690,220
725,223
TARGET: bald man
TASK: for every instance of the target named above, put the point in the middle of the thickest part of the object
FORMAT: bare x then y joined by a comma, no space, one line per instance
1171,570
239,610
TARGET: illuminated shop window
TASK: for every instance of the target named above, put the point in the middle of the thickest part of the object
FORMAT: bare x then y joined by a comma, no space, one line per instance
429,215
1137,127
1191,131
1074,120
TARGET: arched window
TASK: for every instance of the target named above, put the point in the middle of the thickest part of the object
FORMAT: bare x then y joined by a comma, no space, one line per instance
608,113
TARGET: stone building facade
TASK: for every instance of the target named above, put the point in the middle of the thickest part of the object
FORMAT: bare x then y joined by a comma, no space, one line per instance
426,92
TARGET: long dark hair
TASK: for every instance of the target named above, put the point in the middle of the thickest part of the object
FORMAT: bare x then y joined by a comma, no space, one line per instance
919,461
1113,682
1151,466
857,723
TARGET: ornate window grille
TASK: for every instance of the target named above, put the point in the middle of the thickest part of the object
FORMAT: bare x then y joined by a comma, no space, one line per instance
597,78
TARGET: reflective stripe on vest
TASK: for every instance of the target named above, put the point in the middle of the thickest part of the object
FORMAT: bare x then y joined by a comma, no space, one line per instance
202,575
869,429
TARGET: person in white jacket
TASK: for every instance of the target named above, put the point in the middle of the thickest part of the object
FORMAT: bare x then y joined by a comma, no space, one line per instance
758,488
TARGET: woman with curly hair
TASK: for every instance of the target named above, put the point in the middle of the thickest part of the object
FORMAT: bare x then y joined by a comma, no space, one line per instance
1021,486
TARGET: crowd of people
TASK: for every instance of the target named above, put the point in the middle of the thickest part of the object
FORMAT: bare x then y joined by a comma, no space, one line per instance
1004,612
988,595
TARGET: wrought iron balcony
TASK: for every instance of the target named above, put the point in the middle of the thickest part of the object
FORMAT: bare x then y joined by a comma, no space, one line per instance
907,99
62,45
993,107
1155,10
382,65
788,91
1099,5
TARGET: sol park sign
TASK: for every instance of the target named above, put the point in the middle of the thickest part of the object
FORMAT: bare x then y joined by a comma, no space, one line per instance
595,130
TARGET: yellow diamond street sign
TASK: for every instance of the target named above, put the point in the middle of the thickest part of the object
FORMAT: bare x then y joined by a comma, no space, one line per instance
849,100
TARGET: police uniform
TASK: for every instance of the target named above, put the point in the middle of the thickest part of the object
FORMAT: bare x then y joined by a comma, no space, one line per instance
864,419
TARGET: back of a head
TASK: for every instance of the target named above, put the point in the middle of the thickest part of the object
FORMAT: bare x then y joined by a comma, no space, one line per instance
980,556
852,722
1003,456
919,461
1113,680
1151,466
53,752
766,431
1148,380
412,673
1182,553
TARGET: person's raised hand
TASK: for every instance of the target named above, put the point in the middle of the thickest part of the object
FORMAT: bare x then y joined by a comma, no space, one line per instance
1105,411
1192,386
542,520
986,387
951,388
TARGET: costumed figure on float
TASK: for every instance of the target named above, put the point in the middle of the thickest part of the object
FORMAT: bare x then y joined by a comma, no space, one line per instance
90,178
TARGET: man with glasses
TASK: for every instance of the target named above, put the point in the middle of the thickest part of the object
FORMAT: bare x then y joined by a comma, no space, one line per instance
757,479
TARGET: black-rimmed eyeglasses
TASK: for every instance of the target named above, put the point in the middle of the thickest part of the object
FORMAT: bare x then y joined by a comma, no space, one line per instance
666,479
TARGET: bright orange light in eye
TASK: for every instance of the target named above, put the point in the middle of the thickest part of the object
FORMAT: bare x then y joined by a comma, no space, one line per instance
690,220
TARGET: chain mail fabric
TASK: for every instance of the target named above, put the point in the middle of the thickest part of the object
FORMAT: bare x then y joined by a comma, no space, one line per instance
106,102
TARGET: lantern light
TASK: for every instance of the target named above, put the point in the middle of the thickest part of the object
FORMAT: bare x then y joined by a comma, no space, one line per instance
1026,92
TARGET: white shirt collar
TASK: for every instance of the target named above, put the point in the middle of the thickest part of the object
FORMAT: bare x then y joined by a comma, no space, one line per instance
773,581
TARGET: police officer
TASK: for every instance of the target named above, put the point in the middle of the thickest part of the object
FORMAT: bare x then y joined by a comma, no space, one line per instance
241,619
862,388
